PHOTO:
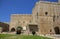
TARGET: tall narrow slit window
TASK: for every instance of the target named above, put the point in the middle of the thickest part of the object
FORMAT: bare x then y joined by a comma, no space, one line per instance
37,15
46,13
53,18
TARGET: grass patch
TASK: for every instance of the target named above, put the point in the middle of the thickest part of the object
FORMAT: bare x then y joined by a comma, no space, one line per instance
8,36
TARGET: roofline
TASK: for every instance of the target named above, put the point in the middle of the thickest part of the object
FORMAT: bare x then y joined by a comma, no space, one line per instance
47,2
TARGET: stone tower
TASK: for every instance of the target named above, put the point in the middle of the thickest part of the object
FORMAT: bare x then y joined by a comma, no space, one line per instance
59,1
46,15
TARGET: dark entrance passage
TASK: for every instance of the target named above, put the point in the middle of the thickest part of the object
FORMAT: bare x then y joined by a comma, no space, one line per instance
57,31
19,30
13,29
33,28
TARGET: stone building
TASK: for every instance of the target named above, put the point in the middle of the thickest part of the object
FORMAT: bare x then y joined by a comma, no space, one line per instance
20,20
43,20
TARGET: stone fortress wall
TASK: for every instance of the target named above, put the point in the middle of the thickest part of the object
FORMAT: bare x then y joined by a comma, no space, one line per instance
45,15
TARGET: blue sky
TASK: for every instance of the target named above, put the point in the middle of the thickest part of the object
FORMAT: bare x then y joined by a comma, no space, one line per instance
8,7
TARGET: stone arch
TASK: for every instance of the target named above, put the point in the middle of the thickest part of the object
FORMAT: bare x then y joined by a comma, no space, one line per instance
12,29
57,31
19,28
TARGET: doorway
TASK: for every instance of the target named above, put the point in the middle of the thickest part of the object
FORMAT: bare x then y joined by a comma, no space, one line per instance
57,31
13,29
33,28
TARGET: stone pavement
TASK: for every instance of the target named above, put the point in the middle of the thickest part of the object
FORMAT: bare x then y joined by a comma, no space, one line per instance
56,36
53,36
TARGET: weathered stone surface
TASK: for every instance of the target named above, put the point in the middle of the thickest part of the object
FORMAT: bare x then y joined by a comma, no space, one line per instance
42,15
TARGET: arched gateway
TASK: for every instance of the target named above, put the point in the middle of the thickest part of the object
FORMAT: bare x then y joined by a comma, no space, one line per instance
13,29
57,31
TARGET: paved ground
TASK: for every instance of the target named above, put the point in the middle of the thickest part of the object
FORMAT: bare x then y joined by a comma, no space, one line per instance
54,36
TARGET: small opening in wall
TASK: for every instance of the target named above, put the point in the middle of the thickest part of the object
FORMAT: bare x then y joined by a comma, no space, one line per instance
37,15
54,18
23,21
30,21
57,16
46,13
50,30
13,29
